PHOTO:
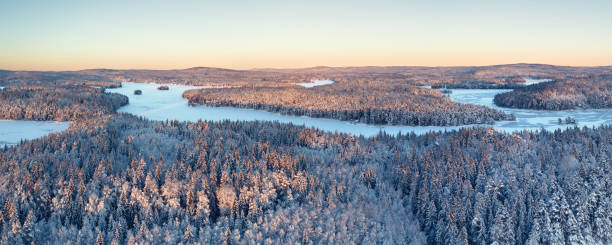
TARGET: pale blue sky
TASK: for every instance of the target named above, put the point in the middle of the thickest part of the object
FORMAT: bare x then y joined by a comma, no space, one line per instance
68,35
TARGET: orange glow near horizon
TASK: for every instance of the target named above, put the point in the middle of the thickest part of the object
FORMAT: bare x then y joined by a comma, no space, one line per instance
50,63
65,35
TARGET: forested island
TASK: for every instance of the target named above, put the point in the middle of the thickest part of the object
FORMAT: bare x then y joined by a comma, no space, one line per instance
57,103
362,101
122,179
591,92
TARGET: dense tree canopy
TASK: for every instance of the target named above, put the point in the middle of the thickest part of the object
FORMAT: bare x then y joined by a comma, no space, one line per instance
123,179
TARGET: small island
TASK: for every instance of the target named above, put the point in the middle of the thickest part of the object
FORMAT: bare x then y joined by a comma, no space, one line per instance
163,87
568,120
138,92
446,91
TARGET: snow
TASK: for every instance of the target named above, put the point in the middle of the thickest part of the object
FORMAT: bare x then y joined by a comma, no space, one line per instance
531,81
316,83
169,105
12,132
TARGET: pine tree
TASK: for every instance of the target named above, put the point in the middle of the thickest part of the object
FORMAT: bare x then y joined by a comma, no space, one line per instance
502,229
100,240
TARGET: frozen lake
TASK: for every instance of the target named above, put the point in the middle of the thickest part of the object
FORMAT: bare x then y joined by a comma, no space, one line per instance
12,132
316,83
161,105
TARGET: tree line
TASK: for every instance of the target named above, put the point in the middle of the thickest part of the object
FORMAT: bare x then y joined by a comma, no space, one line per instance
505,83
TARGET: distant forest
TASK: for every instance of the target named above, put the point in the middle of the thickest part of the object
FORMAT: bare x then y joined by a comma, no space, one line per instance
507,83
57,103
121,179
414,75
593,92
373,102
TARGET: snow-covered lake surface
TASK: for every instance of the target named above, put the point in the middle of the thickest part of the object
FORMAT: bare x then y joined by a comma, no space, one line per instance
162,105
531,119
316,83
12,132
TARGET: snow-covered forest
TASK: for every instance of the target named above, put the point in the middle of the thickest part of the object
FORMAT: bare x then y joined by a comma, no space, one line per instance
373,102
592,92
57,103
121,179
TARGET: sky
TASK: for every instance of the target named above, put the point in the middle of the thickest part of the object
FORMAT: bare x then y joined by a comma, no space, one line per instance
73,35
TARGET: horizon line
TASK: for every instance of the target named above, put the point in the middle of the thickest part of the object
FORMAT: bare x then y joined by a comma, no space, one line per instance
306,67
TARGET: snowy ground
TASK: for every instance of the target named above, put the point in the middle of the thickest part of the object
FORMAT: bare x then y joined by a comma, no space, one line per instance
316,83
12,132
